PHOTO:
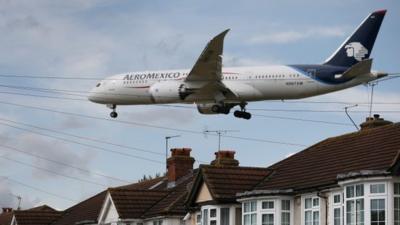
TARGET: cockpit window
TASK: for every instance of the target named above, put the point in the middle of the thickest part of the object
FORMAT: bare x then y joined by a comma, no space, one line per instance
98,85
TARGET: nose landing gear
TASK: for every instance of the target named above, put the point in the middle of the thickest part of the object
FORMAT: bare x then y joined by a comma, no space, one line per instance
242,112
113,114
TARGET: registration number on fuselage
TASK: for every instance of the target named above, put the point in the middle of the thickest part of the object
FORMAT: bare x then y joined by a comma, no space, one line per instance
294,83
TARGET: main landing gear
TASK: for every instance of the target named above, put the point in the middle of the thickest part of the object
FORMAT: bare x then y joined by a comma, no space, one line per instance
242,112
113,114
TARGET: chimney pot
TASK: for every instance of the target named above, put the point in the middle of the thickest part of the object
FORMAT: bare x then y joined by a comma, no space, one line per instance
373,122
225,158
179,164
7,210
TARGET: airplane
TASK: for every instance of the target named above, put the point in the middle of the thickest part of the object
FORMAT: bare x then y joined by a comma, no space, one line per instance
216,89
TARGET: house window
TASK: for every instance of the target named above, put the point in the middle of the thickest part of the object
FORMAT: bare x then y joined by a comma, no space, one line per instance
267,205
355,204
205,216
337,209
285,213
311,211
224,216
198,219
396,203
250,213
378,212
213,216
157,222
267,219
377,188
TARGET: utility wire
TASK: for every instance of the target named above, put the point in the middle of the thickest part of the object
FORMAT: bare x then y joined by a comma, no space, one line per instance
194,108
51,171
63,164
303,120
83,144
73,93
86,138
142,124
39,190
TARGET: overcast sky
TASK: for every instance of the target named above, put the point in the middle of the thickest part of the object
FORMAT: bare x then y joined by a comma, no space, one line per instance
87,38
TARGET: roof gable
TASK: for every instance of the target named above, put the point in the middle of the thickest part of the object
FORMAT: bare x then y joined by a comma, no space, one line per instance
109,212
224,182
132,204
204,194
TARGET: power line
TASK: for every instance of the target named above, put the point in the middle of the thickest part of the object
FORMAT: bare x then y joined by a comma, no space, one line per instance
40,190
193,108
63,164
70,92
143,124
303,120
51,171
86,138
83,144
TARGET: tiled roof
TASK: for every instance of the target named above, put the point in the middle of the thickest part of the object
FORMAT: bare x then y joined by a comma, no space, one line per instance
5,218
89,209
174,202
134,203
224,182
320,164
42,215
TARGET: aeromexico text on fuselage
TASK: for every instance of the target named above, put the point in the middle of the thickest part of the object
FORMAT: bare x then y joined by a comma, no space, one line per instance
322,73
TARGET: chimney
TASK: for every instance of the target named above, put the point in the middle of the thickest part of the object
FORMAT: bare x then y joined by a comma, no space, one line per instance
7,210
225,158
179,164
373,122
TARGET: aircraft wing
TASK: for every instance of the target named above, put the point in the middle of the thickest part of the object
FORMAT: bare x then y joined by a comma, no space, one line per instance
208,66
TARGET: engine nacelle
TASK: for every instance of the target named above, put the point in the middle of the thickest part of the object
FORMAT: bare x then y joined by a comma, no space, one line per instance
212,108
167,91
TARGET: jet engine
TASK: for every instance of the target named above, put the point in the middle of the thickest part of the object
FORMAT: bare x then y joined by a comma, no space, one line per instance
167,92
213,108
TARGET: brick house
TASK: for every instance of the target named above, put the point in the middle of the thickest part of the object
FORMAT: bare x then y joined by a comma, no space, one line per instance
351,179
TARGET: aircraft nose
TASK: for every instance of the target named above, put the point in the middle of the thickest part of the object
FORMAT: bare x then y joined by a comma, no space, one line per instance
92,96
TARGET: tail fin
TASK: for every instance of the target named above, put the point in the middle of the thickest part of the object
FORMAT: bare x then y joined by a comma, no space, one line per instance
359,45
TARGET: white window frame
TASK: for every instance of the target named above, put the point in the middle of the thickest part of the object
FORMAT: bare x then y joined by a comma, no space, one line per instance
394,199
290,211
232,210
313,209
250,213
276,211
367,182
337,205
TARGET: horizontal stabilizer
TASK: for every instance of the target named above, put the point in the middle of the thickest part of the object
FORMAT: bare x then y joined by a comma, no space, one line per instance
363,67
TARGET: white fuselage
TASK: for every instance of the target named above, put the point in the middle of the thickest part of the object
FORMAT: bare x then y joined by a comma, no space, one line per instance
246,83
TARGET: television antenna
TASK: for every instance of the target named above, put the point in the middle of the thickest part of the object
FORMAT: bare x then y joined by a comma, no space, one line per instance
219,133
348,115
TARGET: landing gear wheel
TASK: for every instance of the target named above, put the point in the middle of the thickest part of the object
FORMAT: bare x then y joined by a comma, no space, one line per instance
216,108
242,113
113,114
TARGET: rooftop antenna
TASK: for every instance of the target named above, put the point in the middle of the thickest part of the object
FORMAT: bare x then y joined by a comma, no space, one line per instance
372,98
166,150
346,111
19,202
219,133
